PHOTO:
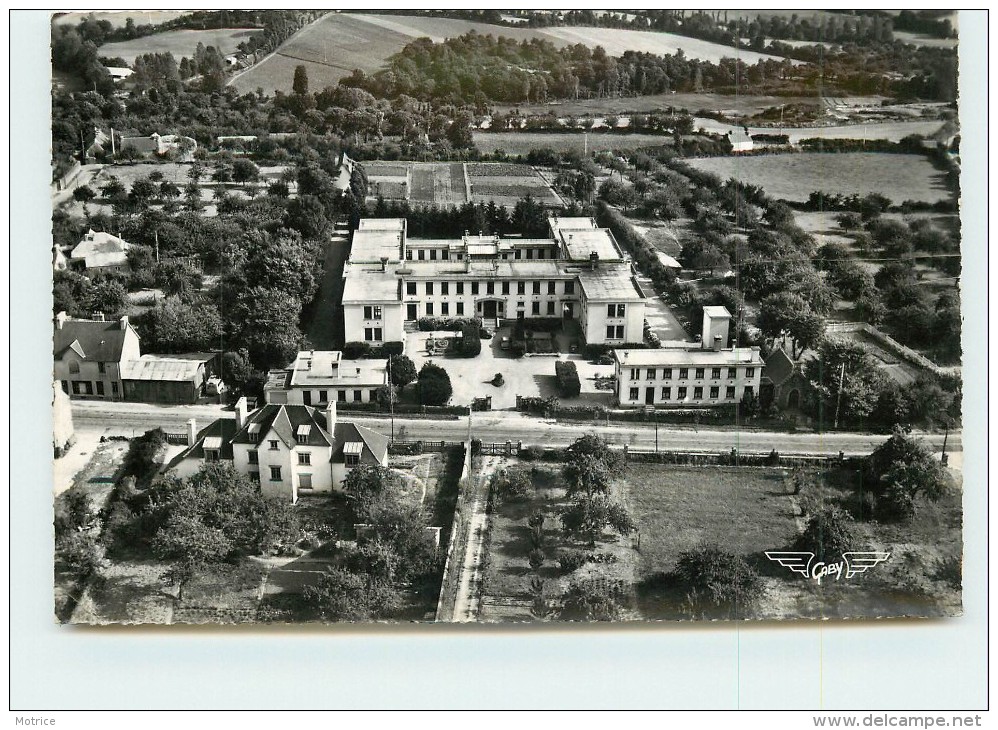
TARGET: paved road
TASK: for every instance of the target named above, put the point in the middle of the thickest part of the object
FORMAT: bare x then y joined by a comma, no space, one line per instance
498,426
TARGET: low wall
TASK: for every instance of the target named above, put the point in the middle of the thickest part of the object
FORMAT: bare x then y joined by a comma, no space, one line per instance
888,342
455,546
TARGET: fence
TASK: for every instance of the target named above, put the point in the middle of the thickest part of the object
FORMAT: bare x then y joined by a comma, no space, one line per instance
502,449
177,439
421,447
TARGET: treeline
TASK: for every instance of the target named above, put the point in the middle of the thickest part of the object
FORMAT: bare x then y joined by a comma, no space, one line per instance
476,68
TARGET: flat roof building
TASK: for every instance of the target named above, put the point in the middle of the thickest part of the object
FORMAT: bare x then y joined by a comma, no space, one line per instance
317,377
579,273
684,374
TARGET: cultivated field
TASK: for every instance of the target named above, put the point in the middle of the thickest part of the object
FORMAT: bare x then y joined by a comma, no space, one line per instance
118,19
336,44
179,42
445,183
616,41
520,143
891,131
795,176
507,573
725,103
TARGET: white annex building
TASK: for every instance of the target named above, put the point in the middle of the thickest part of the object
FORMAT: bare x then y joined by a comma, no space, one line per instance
684,374
577,273
317,377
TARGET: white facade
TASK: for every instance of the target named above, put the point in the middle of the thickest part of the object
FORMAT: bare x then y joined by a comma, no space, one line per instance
575,274
682,374
317,377
288,450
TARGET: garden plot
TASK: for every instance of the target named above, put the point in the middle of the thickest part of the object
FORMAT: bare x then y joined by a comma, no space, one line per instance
441,183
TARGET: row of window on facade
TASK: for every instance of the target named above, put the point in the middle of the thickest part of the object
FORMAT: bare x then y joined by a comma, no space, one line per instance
86,387
682,392
550,309
74,367
536,287
430,254
684,373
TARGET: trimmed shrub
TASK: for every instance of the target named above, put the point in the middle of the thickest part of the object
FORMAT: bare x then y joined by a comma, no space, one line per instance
392,349
470,344
569,385
572,561
356,350
434,386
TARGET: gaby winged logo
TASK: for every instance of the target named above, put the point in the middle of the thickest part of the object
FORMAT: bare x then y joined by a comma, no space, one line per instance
853,563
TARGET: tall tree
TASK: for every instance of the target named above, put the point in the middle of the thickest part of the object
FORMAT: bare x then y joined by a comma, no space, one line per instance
300,84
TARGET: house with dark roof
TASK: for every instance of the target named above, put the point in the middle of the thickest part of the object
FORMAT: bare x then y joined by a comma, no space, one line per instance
91,354
783,383
289,449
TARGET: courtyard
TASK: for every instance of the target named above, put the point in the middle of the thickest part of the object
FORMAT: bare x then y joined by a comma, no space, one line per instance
530,376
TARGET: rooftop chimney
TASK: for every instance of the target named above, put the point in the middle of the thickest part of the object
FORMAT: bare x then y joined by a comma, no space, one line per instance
716,322
593,260
60,320
124,322
331,416
192,431
242,411
384,263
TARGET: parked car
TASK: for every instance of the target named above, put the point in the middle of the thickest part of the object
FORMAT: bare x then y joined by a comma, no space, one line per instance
215,386
504,343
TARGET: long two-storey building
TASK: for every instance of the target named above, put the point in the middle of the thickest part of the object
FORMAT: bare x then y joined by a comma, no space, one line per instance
685,374
578,273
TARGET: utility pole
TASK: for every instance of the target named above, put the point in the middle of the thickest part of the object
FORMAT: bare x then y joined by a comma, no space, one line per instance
656,430
838,398
156,236
391,398
945,459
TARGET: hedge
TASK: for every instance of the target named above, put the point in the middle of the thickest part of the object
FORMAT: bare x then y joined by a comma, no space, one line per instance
470,343
452,324
569,385
366,350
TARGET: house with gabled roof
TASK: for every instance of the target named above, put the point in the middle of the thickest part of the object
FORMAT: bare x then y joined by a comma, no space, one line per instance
91,354
100,250
784,383
289,449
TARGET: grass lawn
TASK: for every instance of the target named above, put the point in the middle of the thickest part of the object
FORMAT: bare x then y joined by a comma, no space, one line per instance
744,510
795,176
179,42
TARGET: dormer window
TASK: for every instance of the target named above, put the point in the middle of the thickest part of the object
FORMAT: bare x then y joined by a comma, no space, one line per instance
254,433
351,452
302,432
212,448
